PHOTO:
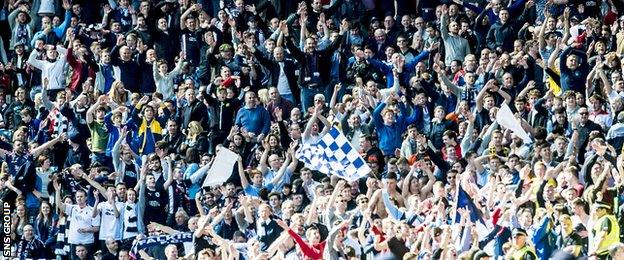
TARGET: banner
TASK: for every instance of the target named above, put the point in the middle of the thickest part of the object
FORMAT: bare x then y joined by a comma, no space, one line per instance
162,240
221,168
506,119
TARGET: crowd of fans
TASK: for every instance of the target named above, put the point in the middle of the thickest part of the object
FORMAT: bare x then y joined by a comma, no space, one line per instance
112,113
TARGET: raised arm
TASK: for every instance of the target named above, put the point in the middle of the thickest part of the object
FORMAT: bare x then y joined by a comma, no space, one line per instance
444,25
445,80
169,180
178,68
57,195
264,165
482,94
33,61
505,95
201,226
294,162
308,130
94,184
186,13
241,173
334,98
96,210
296,52
60,30
93,107
35,152
198,175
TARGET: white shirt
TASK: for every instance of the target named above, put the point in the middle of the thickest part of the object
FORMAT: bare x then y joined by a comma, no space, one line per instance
80,218
51,70
110,224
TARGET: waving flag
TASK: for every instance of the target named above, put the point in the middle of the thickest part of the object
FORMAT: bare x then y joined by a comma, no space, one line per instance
333,154
465,201
506,118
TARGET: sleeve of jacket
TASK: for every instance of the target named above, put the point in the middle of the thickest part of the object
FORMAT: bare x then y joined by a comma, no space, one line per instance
491,38
541,232
266,125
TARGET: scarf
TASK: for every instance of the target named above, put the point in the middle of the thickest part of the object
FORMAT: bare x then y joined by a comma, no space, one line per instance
153,126
160,240
130,221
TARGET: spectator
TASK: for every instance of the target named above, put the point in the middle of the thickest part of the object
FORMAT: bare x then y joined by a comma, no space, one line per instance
82,226
29,246
253,118
497,134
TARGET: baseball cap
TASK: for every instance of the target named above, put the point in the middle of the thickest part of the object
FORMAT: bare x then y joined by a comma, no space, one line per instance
518,231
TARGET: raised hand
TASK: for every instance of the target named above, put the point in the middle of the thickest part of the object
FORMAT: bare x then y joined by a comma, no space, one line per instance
251,8
433,46
282,224
293,147
566,13
540,63
599,148
144,100
437,68
344,26
120,40
284,28
232,23
46,83
67,5
337,87
265,144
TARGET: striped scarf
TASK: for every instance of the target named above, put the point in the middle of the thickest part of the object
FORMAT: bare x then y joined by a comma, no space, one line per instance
130,221
62,247
58,123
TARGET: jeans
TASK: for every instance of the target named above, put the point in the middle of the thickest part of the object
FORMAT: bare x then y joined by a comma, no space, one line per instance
102,159
307,97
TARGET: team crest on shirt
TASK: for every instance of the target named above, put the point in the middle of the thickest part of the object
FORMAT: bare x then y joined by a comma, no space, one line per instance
157,194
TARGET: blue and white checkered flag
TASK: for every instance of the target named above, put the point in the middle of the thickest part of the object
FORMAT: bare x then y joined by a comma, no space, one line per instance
333,154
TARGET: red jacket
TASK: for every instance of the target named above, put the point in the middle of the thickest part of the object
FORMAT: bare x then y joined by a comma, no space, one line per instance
81,71
314,252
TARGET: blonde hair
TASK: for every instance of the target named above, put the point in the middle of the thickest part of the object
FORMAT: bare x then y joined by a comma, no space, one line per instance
38,100
263,96
17,132
119,97
4,169
195,129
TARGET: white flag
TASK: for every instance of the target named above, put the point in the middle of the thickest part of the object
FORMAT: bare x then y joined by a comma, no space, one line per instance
221,168
506,118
